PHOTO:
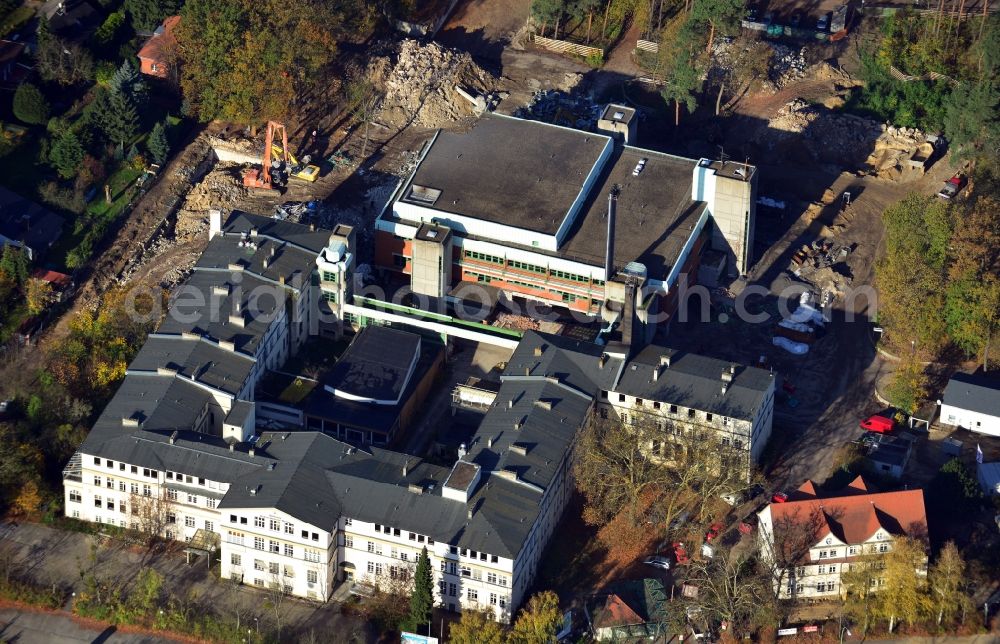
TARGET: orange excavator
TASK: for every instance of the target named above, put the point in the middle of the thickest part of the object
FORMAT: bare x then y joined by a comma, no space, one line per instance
262,178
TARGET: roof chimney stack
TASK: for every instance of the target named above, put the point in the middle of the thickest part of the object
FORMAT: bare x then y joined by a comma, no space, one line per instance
462,451
609,257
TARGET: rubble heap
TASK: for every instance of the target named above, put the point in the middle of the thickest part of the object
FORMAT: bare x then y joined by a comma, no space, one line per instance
220,188
420,83
570,109
787,65
836,137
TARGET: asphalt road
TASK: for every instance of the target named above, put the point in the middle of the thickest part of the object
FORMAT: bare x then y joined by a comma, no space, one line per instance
26,627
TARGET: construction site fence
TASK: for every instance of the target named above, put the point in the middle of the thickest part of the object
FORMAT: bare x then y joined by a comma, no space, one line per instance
647,45
899,75
567,47
886,10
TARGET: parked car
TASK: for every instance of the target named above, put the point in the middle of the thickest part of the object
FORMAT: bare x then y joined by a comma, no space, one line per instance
952,186
713,531
823,22
657,562
878,424
680,553
779,497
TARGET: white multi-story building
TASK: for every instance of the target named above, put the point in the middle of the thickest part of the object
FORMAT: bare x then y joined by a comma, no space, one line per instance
813,539
685,393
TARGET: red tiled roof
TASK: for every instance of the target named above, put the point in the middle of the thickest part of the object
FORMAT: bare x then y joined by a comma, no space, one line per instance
155,47
855,516
806,490
615,612
55,278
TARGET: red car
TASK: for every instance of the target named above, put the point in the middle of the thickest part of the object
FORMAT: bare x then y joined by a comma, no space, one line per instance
878,424
713,531
680,553
779,497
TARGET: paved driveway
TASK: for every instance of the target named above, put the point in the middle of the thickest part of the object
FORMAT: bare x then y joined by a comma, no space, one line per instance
26,627
62,558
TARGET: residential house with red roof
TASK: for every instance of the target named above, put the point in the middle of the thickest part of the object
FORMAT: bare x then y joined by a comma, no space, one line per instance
159,53
813,538
632,610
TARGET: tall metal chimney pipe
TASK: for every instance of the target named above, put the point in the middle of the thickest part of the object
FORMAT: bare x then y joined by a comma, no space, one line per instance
609,257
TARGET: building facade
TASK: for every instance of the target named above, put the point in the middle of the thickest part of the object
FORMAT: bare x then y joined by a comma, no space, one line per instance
972,401
537,225
823,536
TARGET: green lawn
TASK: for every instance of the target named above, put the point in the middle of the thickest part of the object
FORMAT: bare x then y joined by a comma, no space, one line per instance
99,214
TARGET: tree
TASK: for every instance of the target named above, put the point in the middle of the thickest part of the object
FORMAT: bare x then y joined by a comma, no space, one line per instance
475,627
947,584
539,621
972,118
30,105
548,12
911,276
388,607
115,115
973,296
422,599
66,154
157,144
38,294
129,82
721,16
149,516
860,582
908,388
146,15
682,76
14,264
60,61
732,590
788,545
903,596
614,467
28,499
245,61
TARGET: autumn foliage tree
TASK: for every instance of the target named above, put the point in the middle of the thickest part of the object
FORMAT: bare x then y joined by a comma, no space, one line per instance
476,627
247,61
539,620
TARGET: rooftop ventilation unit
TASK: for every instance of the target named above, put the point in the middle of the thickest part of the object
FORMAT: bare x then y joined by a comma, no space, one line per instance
423,194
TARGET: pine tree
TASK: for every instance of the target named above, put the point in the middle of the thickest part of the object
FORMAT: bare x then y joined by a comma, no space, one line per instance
66,154
116,117
128,81
422,599
157,144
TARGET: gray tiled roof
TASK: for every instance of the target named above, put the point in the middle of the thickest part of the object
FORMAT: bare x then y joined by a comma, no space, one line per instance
973,392
695,381
212,316
573,362
196,359
318,479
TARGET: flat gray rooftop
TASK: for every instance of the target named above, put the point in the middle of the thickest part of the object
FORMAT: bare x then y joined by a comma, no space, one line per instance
510,171
655,213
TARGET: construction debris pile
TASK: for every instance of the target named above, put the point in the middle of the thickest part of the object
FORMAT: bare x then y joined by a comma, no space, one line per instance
787,65
220,188
570,109
423,85
839,138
